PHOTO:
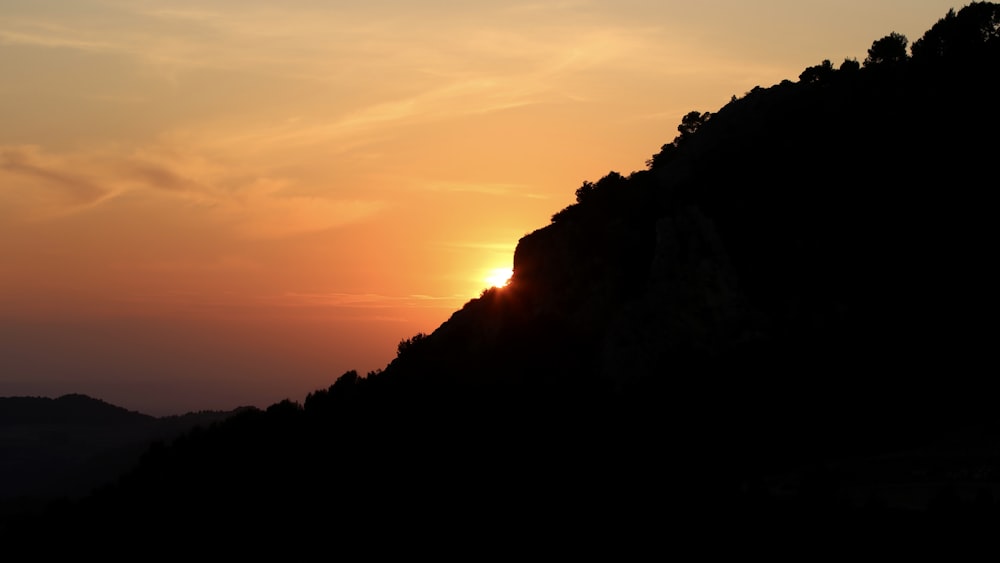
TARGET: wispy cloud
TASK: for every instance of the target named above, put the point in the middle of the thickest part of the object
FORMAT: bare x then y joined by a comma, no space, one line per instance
30,162
328,305
365,300
485,188
497,246
248,202
51,36
262,211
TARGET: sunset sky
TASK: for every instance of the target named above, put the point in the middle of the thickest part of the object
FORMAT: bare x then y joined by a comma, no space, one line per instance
214,203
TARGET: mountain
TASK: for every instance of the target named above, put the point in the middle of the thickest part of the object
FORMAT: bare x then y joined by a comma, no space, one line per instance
777,336
66,446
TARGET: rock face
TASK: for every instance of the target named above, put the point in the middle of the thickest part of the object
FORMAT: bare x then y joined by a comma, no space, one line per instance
692,306
612,298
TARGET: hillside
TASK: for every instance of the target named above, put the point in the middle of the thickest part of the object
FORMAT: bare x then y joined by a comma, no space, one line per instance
64,447
782,324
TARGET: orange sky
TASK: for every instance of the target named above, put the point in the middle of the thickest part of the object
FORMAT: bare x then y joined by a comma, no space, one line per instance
206,204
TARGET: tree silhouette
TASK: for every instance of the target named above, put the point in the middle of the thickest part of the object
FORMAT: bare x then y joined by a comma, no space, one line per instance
888,50
849,65
691,123
585,191
666,153
965,35
817,73
603,190
407,345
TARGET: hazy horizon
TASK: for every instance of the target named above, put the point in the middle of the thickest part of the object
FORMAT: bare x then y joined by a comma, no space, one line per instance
206,205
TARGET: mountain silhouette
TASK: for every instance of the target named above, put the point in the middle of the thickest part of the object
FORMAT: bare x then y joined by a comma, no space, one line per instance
66,446
776,333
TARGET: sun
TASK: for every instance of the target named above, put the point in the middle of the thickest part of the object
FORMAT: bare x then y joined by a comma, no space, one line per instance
498,277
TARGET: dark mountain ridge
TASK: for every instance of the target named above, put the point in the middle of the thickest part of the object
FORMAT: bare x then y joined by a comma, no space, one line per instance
66,446
777,331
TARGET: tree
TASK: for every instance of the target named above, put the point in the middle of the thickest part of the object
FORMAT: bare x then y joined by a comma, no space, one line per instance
888,50
666,153
850,65
408,345
346,381
966,35
585,191
602,190
817,73
691,123
937,41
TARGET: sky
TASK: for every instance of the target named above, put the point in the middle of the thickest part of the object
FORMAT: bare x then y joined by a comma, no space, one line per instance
217,203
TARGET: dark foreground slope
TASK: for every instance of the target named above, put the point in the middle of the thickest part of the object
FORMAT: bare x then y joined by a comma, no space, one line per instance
778,332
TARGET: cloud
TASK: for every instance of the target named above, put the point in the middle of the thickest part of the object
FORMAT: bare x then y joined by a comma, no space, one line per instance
223,264
485,188
52,38
367,300
263,212
158,177
55,174
377,72
51,184
232,194
496,246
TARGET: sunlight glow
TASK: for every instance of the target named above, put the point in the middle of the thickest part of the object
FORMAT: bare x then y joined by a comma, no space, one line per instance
498,277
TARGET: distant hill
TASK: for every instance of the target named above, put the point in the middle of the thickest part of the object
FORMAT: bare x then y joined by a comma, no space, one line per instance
66,446
778,333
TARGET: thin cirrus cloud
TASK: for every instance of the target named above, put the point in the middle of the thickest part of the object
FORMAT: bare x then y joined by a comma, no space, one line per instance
337,303
351,78
364,300
303,37
29,168
504,189
47,186
47,36
372,76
